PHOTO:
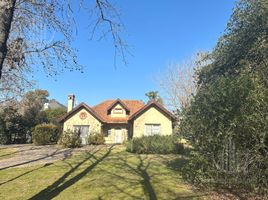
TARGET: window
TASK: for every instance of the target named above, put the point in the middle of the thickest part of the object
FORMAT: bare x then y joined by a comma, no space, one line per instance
152,129
83,132
107,132
81,129
118,111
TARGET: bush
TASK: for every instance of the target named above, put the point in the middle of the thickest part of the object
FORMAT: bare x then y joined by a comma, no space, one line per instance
154,144
70,139
45,134
96,138
3,137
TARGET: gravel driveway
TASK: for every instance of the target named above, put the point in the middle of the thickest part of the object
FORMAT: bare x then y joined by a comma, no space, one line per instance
27,154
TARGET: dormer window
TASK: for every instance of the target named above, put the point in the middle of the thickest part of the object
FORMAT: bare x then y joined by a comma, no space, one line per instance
118,111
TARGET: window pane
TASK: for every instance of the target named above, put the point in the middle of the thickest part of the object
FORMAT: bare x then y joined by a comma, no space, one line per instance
155,129
148,129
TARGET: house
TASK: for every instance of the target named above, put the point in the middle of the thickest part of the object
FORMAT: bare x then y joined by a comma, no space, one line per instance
53,104
119,120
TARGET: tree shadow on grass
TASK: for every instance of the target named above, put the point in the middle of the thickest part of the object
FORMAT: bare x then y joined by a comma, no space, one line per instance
138,176
17,151
177,164
65,153
58,186
139,170
146,179
28,172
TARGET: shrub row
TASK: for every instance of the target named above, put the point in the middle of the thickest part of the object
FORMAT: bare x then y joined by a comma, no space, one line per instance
154,145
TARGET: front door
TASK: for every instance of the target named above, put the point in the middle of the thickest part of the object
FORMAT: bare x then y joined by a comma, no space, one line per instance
84,131
118,136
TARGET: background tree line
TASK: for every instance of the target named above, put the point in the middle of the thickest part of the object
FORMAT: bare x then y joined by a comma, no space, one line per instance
18,118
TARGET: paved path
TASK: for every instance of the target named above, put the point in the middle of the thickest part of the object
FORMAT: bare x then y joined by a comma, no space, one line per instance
27,155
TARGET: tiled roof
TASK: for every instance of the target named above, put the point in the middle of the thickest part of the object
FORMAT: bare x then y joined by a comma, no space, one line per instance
102,108
135,108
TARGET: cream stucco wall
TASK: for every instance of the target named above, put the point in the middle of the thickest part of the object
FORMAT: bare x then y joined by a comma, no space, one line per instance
152,116
94,124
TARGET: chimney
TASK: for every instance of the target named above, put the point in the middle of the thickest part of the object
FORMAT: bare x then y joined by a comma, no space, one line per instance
70,105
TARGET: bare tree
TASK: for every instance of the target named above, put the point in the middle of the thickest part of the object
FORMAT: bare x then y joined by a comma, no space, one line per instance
37,35
179,81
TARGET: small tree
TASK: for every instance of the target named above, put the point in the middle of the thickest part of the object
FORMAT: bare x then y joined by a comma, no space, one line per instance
13,125
154,96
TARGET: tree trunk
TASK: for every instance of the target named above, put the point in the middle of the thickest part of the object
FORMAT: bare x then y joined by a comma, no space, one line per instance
7,8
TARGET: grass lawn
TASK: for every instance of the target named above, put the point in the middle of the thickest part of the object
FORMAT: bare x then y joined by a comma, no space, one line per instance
7,153
109,173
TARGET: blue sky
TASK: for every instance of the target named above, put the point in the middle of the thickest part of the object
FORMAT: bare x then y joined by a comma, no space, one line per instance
159,32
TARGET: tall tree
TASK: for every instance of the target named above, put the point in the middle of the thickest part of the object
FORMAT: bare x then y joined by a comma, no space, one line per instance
38,35
31,107
7,8
179,80
227,119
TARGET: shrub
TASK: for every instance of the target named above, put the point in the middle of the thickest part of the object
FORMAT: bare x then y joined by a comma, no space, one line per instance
70,139
96,139
45,134
3,137
155,144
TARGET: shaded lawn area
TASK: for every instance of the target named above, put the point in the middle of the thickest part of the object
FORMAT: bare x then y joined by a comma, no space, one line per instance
108,173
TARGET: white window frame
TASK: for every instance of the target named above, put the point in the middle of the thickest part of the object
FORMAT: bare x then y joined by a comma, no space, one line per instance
152,131
118,111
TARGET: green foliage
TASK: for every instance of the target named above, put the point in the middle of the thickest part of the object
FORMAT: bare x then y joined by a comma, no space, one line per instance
12,126
154,96
154,145
70,139
45,134
32,105
198,170
96,139
3,136
227,119
53,115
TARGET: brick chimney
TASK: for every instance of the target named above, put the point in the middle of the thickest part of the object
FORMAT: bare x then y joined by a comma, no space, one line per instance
70,105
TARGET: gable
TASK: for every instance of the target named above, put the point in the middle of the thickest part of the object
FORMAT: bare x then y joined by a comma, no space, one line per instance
103,108
155,105
82,116
153,115
78,109
118,111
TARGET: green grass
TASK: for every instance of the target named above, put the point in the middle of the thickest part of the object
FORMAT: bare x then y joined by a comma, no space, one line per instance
104,174
7,152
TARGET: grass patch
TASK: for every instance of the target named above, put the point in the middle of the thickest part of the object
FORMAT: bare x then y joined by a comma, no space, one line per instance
7,153
109,173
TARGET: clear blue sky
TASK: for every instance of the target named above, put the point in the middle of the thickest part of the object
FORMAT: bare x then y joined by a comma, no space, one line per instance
159,32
